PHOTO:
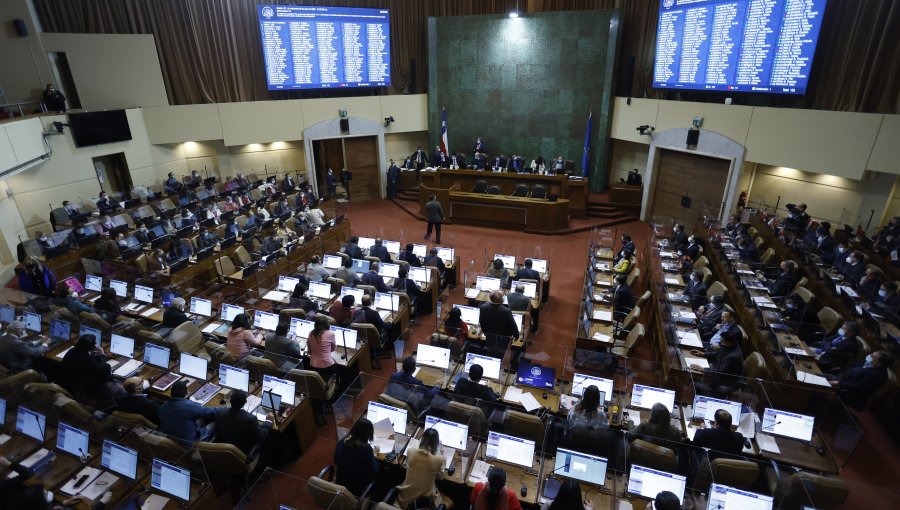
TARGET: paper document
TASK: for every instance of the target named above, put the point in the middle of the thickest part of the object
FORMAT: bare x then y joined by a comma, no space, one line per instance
745,271
479,471
529,402
767,443
690,360
212,326
70,489
100,485
150,311
62,354
133,306
155,502
472,293
512,394
672,281
794,351
600,337
747,426
667,254
691,430
602,315
690,339
276,295
4,438
809,378
684,316
603,283
849,291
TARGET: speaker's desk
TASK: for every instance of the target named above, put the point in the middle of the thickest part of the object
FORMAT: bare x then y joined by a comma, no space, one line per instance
520,213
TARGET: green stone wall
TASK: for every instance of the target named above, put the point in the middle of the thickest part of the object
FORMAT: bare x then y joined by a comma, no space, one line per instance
525,85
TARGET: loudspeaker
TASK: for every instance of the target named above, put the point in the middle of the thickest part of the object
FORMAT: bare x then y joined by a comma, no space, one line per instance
626,77
345,125
412,76
693,137
21,29
686,202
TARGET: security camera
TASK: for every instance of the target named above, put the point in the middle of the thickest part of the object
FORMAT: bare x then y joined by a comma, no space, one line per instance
646,129
388,121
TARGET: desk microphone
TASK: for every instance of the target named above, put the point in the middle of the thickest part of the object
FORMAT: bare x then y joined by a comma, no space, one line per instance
84,456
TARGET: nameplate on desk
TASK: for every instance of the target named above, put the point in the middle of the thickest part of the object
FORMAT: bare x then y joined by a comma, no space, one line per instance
150,311
745,271
684,316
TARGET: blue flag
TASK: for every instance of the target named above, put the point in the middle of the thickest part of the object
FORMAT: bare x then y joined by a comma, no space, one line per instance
587,146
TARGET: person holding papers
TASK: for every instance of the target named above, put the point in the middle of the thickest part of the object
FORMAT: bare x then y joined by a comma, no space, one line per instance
241,338
354,458
174,315
470,387
494,495
586,417
659,426
279,342
498,271
720,438
135,401
182,418
321,344
424,466
236,426
726,365
836,352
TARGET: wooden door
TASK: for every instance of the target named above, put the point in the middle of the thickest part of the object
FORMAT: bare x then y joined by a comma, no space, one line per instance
688,179
327,154
361,154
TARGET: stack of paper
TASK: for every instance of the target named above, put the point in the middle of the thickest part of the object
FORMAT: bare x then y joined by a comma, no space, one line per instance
212,326
690,360
276,295
155,502
150,311
512,394
472,293
793,351
767,443
602,315
809,378
70,489
690,339
600,337
383,438
479,471
672,281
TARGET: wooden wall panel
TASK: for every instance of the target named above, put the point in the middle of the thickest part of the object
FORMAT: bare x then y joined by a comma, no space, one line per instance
682,174
362,159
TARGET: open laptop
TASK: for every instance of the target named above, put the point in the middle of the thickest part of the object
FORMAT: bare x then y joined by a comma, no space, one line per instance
94,332
287,283
301,327
60,330
124,346
420,275
119,459
452,434
32,321
320,290
509,261
156,355
142,296
171,479
446,254
201,307
487,283
385,303
72,440
723,497
388,270
469,314
705,408
120,287
787,424
377,412
351,291
419,250
539,265
360,266
432,356
365,243
265,320
7,314
393,247
530,288
491,367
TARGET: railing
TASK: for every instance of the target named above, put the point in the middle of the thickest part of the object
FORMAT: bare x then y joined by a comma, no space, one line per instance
11,108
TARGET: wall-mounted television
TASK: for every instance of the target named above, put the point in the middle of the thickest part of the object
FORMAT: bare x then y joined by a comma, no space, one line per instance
309,47
737,45
95,128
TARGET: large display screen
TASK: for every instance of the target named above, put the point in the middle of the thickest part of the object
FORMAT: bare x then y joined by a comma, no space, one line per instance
737,45
308,47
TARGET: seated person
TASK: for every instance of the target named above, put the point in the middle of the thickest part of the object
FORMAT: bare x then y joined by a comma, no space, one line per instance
622,299
84,371
352,248
855,268
692,250
280,343
409,257
379,251
157,262
720,438
665,500
432,260
887,303
342,311
659,426
695,290
494,495
455,327
409,287
517,300
747,252
299,299
346,274
315,271
207,239
825,244
678,240
272,244
282,208
726,367
424,466
69,299
236,426
241,338
374,279
135,401
800,317
174,315
105,205
627,249
856,385
496,270
179,417
870,283
17,355
527,273
709,316
108,304
782,284
727,327
837,351
366,315
172,185
839,261
586,417
623,266
354,458
470,387
405,374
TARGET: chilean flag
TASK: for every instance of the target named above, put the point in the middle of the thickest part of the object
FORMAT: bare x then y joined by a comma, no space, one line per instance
444,143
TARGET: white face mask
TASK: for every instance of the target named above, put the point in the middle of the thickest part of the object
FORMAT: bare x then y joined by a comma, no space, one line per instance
145,384
849,259
842,249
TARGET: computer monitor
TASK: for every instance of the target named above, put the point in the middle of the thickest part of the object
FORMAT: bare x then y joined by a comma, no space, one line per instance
487,283
648,482
539,265
392,246
234,377
723,497
7,314
365,243
389,270
345,337
143,294
469,314
287,283
536,376
530,288
229,312
31,423
446,254
332,261
491,366
265,320
119,459
156,355
283,387
72,440
645,396
420,275
121,345
360,265
94,332
171,479
378,411
582,381
509,261
2,411
580,466
60,330
787,424
192,366
518,317
510,449
270,400
166,296
200,306
452,434
387,301
120,287
74,285
32,321
351,291
93,283
301,327
320,290
705,408
158,230
419,250
432,356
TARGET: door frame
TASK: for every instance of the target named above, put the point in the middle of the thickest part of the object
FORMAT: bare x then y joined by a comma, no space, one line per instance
710,144
331,128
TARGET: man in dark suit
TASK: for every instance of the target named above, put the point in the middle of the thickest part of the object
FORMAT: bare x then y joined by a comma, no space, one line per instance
747,252
469,386
365,314
634,178
558,165
695,290
678,240
404,284
498,162
517,300
480,161
856,385
180,417
479,146
378,250
726,366
727,328
627,249
420,159
73,212
409,257
374,279
527,273
623,299
439,158
709,315
393,175
869,284
783,283
288,184
174,315
886,303
457,161
236,426
136,401
516,164
720,438
825,245
800,317
497,323
352,248
105,205
855,268
434,214
837,352
692,249
432,260
282,208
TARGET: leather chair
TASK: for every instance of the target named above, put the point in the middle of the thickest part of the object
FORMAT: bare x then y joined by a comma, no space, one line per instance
243,255
259,367
336,284
521,190
59,217
767,256
758,242
527,426
287,314
629,322
707,275
801,489
752,231
140,264
830,320
804,294
471,415
480,186
539,191
42,395
320,391
741,474
370,334
716,289
493,190
411,412
96,321
701,262
633,275
218,354
225,267
13,386
647,454
227,460
390,500
157,444
623,348
861,352
332,496
755,366
74,413
133,420
186,337
643,298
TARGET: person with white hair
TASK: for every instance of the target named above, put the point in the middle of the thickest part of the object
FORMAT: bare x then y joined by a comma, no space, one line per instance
174,316
17,355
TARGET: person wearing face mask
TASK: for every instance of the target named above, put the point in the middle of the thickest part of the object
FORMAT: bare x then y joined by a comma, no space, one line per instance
708,316
747,252
800,317
887,302
855,268
627,249
104,204
857,384
35,278
558,166
695,290
727,328
783,283
726,364
825,245
623,299
692,250
679,240
836,352
886,238
314,216
67,298
839,257
135,401
43,240
870,283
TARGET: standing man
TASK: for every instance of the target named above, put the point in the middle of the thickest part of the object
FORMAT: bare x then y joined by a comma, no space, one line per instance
434,214
479,146
420,159
346,177
393,175
54,100
331,181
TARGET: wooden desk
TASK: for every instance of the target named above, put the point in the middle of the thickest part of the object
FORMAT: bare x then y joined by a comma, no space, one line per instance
516,476
519,213
626,195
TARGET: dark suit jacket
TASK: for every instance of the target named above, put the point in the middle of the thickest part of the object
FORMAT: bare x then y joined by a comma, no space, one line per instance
497,320
467,388
804,320
83,373
518,302
858,383
410,258
726,366
374,279
353,251
710,318
237,427
140,404
525,273
697,293
367,315
719,440
623,300
837,353
381,252
853,274
678,241
825,249
435,261
692,251
173,317
782,285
